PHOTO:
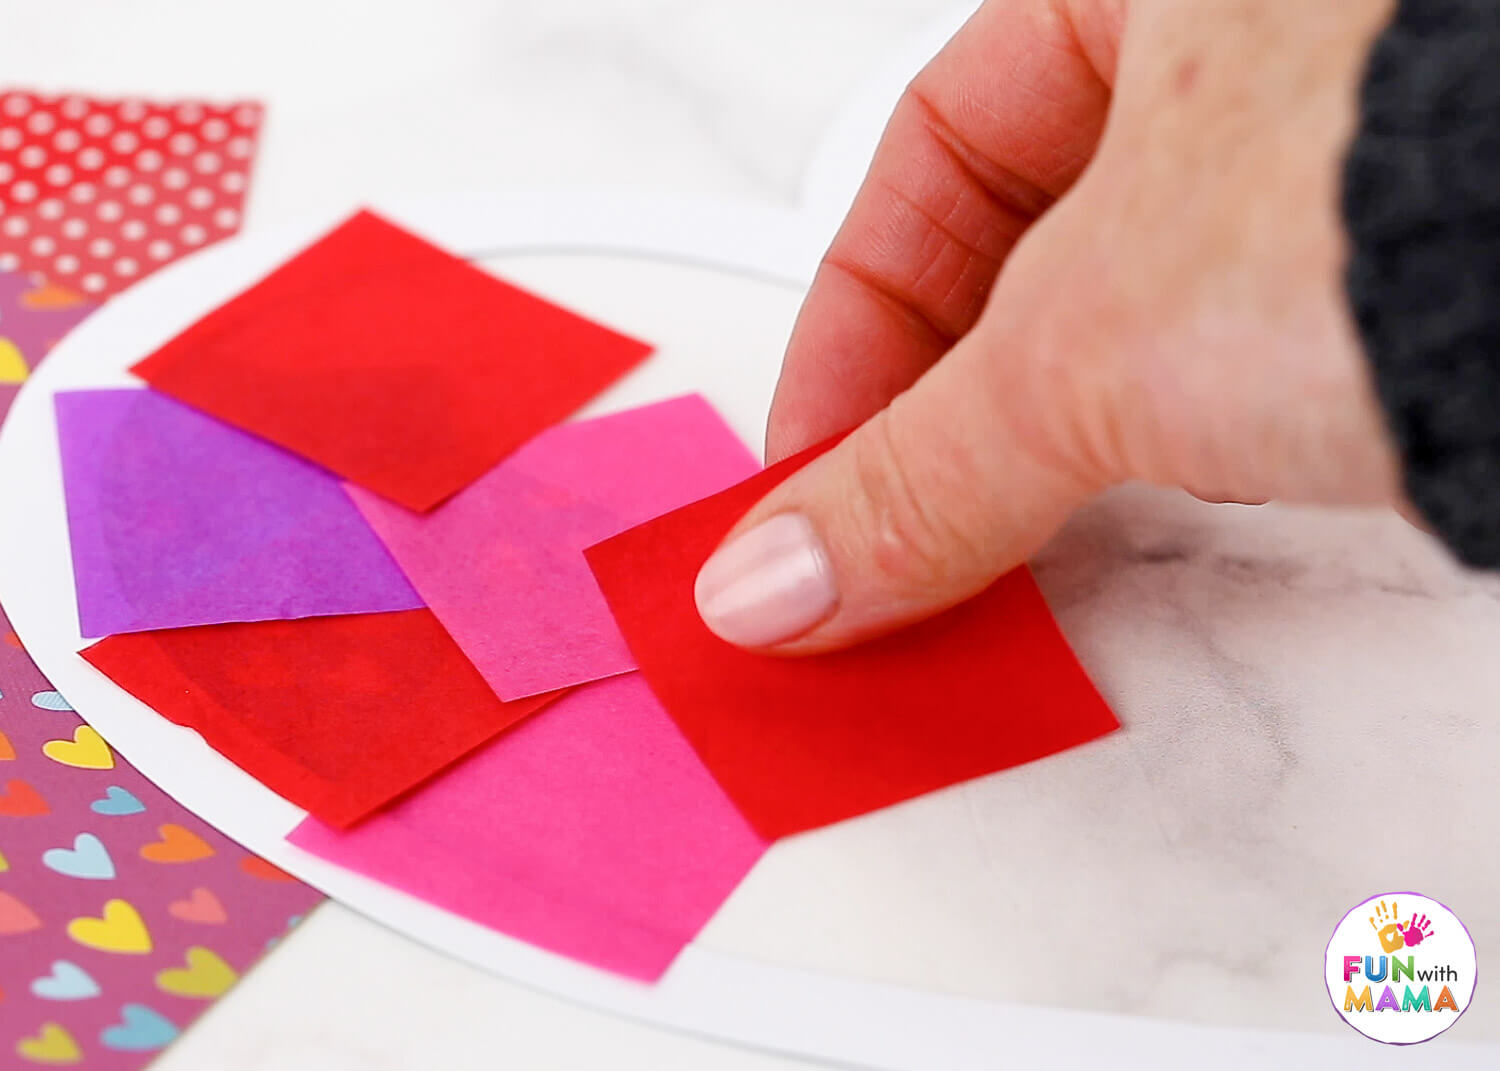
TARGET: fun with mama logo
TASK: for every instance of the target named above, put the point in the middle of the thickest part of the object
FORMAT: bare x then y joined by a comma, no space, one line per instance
1400,968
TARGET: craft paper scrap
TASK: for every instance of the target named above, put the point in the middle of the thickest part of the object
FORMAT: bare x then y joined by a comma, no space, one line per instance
802,742
592,831
77,836
176,519
501,563
97,193
338,714
397,365
122,915
33,317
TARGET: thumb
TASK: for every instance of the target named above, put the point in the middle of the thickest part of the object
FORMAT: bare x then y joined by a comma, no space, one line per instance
919,508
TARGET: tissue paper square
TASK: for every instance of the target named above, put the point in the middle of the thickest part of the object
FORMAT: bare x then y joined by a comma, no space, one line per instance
340,715
802,742
176,519
395,364
591,830
501,563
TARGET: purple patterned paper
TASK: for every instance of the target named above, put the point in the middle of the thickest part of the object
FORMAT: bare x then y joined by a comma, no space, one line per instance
122,915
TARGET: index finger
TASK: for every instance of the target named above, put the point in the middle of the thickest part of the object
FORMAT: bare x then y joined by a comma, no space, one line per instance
985,139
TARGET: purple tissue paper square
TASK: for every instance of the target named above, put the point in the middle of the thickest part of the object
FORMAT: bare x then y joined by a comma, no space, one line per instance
177,519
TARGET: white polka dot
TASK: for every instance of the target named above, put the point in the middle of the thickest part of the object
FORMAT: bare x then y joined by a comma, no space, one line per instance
51,208
59,174
132,111
156,127
74,107
149,160
109,211
15,226
226,218
17,104
174,178
125,141
83,193
232,181
159,249
10,137
116,175
93,282
198,197
239,148
182,143
9,262
207,163
141,194
126,266
193,234
168,213
40,123
101,247
133,230
74,228
66,140
23,191
66,264
247,115
43,246
32,156
6,172
97,125
215,130
90,158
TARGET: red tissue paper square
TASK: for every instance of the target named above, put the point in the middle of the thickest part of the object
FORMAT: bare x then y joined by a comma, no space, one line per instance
95,194
801,742
399,366
338,714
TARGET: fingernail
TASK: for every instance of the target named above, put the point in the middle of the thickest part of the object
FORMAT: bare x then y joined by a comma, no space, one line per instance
767,586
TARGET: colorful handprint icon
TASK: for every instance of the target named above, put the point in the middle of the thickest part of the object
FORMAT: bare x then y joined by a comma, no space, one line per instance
1388,927
1417,929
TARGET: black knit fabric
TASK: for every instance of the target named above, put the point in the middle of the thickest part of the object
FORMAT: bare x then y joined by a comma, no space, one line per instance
1422,204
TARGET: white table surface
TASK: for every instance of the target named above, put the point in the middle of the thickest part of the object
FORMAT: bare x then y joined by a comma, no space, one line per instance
371,99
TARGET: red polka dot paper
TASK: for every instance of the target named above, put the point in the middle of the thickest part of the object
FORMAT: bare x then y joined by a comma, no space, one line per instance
95,194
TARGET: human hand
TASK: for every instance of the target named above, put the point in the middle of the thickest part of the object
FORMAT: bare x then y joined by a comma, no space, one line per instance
1099,242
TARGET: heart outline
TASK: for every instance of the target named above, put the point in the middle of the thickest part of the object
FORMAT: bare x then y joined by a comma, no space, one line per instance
178,844
118,803
206,976
16,917
88,859
67,981
86,751
141,1029
50,1045
119,929
200,906
19,800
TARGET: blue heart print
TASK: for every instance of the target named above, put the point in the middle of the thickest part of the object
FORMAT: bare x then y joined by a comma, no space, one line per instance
88,858
68,981
117,802
140,1030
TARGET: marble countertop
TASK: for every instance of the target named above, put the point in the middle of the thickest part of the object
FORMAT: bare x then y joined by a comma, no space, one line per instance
1309,697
